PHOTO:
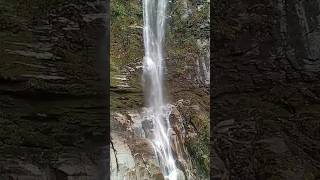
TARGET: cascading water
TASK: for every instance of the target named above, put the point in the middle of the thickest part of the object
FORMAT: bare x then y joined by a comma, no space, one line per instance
154,15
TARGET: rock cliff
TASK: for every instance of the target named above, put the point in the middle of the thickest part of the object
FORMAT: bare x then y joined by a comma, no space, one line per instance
265,89
186,86
53,89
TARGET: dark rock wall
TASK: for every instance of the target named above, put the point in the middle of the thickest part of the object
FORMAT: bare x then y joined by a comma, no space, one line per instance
53,89
265,89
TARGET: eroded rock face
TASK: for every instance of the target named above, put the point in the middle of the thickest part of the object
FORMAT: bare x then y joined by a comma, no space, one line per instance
52,90
186,82
69,165
132,153
265,89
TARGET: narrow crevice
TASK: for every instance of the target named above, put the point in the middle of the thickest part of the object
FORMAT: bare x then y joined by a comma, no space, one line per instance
115,154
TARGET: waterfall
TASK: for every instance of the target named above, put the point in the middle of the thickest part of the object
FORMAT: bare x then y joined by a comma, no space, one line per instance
154,15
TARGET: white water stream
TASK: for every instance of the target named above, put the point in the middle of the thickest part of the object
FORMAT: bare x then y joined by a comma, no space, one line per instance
154,15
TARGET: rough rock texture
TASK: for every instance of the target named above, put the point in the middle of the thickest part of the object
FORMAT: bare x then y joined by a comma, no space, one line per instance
53,91
265,84
188,74
186,87
132,154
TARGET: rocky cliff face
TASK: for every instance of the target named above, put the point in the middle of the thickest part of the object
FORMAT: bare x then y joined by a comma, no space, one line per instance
187,83
53,91
265,88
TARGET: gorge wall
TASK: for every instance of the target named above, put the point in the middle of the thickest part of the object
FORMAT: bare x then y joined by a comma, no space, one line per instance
53,89
265,88
265,85
186,85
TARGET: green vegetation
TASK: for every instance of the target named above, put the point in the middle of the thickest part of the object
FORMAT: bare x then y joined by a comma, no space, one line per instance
182,51
199,147
126,36
126,48
184,31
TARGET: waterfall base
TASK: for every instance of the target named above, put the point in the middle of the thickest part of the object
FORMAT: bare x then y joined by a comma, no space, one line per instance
132,151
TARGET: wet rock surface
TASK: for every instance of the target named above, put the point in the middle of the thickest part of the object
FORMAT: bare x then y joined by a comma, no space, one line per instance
132,153
186,87
265,86
52,90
